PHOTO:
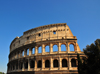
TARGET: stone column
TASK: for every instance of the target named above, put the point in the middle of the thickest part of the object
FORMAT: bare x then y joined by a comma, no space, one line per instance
68,49
43,63
69,62
60,63
28,64
18,64
59,47
36,50
35,65
30,51
23,67
51,63
43,48
75,47
51,48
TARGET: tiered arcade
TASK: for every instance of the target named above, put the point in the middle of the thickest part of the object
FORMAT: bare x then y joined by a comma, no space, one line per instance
44,50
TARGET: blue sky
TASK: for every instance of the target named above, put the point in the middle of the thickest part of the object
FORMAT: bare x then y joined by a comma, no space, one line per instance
18,16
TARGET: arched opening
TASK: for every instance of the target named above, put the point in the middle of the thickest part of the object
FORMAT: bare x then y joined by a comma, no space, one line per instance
64,63
47,64
32,64
26,65
71,46
55,48
27,51
33,51
55,63
47,48
73,62
39,64
63,47
22,53
20,65
16,66
40,49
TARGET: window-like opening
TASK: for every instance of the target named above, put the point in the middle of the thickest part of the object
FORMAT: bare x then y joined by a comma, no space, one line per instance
71,46
32,64
55,63
40,49
55,48
47,64
73,63
39,34
39,64
27,38
54,32
22,53
26,65
27,51
33,51
64,63
63,47
47,48
67,29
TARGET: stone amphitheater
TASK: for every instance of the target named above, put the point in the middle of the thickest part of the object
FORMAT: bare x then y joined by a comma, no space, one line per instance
44,50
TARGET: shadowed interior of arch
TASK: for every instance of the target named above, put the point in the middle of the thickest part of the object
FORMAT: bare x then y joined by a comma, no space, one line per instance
55,48
63,47
71,46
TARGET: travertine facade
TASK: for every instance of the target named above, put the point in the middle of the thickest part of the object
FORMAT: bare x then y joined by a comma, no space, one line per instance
26,57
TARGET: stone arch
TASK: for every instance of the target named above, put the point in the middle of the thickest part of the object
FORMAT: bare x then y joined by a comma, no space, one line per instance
39,65
40,49
64,63
71,47
55,48
47,63
73,62
47,48
63,47
33,50
55,63
32,63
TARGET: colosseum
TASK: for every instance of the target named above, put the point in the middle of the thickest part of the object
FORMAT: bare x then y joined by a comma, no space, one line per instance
45,50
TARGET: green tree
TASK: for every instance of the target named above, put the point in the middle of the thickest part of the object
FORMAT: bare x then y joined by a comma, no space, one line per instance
91,64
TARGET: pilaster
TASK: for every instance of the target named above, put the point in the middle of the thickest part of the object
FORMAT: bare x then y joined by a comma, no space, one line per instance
51,63
51,48
36,50
43,48
28,64
30,51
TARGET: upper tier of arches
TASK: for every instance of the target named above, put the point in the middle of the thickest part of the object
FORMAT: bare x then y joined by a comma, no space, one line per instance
44,33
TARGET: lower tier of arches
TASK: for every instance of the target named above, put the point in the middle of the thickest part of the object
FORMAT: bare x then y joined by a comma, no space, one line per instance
46,72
